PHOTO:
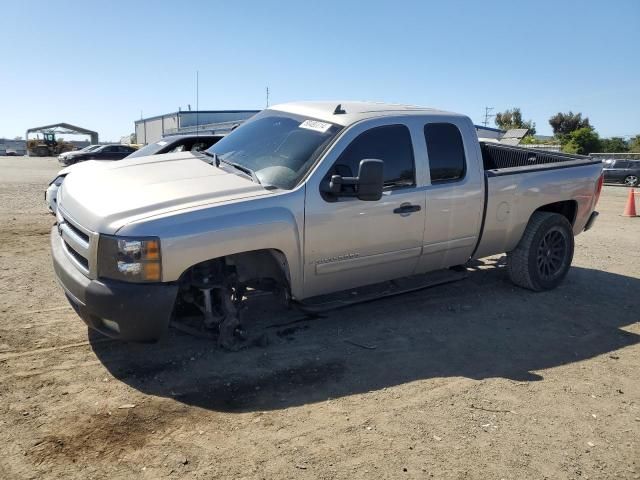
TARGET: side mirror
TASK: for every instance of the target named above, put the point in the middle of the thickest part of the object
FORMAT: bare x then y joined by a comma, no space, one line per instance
368,184
370,179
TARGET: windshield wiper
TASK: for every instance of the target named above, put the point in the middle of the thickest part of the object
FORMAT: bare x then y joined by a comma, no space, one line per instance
216,160
246,170
242,168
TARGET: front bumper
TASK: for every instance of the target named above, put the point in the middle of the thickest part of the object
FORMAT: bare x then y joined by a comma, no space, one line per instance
127,311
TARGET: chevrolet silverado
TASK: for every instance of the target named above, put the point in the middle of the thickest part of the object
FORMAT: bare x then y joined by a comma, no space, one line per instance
308,200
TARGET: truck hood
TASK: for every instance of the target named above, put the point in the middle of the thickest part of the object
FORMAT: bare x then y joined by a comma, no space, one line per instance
106,196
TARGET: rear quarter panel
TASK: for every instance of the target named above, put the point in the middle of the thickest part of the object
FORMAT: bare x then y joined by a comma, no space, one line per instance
512,199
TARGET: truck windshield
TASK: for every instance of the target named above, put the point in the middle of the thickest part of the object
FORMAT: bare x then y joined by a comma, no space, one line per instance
278,147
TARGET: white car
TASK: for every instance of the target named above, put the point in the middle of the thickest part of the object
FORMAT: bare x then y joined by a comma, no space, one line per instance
51,193
173,143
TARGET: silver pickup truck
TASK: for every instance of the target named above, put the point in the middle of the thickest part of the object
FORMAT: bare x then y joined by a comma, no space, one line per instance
310,199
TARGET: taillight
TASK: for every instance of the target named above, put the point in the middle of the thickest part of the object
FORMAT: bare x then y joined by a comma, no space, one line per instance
599,188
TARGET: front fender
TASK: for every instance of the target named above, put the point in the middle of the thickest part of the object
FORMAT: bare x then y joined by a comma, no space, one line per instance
192,237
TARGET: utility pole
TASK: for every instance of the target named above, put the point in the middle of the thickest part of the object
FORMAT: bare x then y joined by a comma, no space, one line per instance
487,115
267,97
197,102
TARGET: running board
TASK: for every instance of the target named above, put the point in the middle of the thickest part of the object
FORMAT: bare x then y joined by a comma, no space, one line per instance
323,303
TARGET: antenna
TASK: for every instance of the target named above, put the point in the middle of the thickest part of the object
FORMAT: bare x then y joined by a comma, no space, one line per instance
487,115
197,102
339,110
267,97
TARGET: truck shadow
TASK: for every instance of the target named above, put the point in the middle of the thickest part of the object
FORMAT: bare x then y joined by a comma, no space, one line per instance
481,327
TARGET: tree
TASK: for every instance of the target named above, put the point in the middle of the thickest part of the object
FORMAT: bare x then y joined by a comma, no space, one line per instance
565,123
513,119
614,145
582,141
634,144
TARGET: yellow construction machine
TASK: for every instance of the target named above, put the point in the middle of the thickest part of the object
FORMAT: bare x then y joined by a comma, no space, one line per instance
47,146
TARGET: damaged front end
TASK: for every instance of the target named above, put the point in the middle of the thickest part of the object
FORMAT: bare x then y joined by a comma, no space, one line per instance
213,295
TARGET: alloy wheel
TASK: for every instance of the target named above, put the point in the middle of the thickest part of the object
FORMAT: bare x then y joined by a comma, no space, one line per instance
551,254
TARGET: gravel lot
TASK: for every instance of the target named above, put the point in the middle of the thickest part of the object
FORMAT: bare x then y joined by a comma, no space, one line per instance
477,379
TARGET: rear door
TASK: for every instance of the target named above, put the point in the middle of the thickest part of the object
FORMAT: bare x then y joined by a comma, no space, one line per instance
455,195
350,242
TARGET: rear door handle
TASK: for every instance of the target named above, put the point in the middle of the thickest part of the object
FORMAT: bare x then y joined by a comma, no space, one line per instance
407,208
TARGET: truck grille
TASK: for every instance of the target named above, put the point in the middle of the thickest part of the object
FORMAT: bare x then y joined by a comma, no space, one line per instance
78,232
79,243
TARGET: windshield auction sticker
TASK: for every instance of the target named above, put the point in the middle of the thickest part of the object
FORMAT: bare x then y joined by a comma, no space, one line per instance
315,125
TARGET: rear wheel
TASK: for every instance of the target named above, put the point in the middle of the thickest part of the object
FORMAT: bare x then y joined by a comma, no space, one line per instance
543,257
631,180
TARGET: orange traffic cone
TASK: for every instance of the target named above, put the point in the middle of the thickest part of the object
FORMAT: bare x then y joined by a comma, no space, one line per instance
630,209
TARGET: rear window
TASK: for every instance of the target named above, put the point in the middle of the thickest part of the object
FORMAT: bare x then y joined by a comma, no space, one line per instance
446,152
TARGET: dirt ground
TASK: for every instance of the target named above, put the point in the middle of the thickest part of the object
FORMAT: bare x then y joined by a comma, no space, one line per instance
475,379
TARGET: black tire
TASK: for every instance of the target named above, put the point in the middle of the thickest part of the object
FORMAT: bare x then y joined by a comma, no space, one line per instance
543,257
631,180
42,151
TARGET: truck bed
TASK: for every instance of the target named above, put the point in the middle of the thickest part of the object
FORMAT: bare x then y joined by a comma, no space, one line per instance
519,180
497,158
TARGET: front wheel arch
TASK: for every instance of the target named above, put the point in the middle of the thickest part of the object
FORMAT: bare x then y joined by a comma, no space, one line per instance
252,266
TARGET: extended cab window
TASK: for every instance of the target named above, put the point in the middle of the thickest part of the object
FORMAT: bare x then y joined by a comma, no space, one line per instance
446,152
391,144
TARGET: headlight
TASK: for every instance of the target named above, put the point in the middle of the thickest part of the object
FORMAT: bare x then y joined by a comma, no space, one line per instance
129,259
58,180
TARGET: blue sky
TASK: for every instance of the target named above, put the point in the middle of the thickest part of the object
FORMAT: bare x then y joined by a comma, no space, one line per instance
99,64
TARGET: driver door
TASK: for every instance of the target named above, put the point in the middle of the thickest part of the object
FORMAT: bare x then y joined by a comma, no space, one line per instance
351,242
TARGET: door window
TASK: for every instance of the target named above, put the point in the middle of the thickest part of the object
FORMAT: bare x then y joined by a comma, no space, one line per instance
391,144
446,152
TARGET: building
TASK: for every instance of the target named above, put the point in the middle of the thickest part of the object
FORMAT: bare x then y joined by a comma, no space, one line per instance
489,132
152,129
17,146
20,146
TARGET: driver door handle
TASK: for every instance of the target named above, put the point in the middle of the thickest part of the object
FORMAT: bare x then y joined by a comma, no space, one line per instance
407,208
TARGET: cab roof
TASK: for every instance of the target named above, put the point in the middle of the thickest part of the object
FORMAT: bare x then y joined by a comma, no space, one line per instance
355,111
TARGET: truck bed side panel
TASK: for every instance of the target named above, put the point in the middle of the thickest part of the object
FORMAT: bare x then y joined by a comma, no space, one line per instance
514,196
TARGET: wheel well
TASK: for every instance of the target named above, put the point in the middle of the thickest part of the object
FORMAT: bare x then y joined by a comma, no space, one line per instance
260,264
250,268
566,208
